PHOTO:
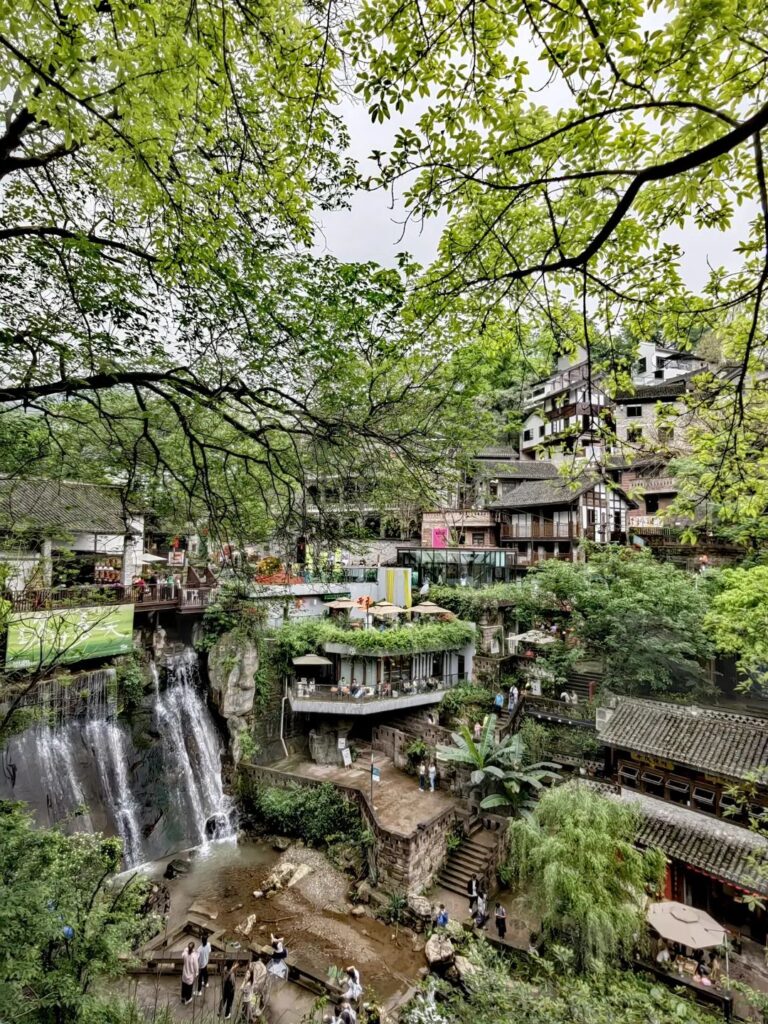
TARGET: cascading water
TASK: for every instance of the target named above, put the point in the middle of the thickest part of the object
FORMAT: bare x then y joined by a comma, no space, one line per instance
192,753
158,786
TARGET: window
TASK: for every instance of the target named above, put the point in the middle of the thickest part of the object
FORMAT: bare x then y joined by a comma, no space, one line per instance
542,430
616,519
628,776
653,783
704,799
478,539
527,435
634,434
642,365
633,411
493,488
730,807
678,791
591,516
658,374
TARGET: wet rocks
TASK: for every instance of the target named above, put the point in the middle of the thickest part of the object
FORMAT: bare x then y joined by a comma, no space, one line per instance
280,843
357,911
439,952
178,866
283,876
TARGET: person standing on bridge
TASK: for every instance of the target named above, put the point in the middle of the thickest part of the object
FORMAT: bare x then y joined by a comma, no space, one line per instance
189,971
422,776
203,956
501,921
228,989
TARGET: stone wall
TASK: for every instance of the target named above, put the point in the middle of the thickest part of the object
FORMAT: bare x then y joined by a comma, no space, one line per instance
403,862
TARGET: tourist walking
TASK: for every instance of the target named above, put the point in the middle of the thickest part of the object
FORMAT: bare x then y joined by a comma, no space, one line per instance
501,920
432,776
188,973
473,891
203,956
354,989
498,703
441,920
277,965
422,777
228,989
481,913
514,696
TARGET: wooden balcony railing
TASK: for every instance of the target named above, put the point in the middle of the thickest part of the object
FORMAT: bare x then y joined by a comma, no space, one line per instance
540,531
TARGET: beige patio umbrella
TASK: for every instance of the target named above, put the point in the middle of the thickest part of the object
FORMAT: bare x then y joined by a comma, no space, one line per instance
312,659
342,602
677,922
430,608
384,608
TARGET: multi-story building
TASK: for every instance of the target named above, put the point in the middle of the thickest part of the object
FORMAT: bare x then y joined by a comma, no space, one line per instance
570,412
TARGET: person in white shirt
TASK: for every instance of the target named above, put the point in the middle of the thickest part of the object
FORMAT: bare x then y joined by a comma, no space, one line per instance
203,956
432,776
189,970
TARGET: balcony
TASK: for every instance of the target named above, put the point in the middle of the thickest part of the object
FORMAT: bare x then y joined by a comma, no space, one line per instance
540,531
155,597
309,697
655,484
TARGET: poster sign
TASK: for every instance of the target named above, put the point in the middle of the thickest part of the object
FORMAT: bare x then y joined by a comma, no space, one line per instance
68,635
440,537
375,774
176,559
342,742
346,757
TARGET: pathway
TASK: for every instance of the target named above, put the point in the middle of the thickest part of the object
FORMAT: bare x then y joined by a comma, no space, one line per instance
400,806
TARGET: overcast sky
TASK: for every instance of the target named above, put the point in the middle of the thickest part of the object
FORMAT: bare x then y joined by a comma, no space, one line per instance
374,230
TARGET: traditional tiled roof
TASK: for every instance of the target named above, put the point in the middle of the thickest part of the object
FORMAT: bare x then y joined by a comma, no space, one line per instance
531,493
524,470
701,738
60,506
720,848
499,451
653,392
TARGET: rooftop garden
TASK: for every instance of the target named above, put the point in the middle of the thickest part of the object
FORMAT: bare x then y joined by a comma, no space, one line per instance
294,639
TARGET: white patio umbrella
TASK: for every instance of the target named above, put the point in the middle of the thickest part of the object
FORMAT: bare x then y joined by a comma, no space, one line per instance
677,922
342,602
312,659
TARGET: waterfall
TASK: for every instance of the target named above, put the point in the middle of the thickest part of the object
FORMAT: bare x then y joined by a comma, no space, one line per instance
158,786
192,753
107,741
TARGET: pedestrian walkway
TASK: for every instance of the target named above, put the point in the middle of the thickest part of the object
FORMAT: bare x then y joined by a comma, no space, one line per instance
399,804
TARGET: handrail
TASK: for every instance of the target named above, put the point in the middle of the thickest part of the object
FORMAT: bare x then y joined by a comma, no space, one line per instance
110,594
311,690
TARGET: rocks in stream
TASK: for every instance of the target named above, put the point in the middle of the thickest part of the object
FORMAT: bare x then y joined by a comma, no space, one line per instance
178,866
283,876
246,927
439,952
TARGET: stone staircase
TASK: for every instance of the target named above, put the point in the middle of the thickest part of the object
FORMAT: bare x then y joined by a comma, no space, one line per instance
474,856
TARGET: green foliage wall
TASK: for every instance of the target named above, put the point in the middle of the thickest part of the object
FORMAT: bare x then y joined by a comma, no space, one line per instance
318,815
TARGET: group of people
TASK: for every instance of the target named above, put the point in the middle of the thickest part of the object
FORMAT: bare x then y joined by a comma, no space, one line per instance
194,972
478,907
513,696
164,587
344,1011
427,773
705,973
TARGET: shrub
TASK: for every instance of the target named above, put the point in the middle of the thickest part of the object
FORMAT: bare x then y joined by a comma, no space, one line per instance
319,815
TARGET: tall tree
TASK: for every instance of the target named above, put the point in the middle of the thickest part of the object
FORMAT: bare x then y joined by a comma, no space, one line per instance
642,618
738,620
576,862
568,144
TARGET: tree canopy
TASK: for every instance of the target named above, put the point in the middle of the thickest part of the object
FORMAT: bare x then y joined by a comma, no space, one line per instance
63,925
568,146
642,618
738,620
575,860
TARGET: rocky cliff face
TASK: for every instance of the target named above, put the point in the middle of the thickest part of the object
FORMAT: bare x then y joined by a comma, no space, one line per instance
232,665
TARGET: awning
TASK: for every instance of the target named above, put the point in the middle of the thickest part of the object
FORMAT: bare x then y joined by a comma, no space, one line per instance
342,602
146,559
534,636
385,608
312,659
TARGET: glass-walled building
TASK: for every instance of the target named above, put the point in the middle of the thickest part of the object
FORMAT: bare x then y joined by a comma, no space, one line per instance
474,567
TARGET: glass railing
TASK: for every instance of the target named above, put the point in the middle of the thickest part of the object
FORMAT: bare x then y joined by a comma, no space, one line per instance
391,690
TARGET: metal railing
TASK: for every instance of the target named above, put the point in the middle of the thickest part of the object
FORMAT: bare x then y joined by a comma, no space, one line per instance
309,690
155,594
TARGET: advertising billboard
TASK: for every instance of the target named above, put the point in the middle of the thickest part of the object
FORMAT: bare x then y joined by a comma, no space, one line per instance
68,635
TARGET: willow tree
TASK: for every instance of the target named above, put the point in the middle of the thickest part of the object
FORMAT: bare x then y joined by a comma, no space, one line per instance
575,860
568,144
